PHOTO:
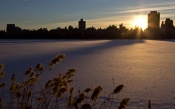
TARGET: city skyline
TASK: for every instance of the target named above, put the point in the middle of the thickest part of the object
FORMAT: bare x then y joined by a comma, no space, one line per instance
32,14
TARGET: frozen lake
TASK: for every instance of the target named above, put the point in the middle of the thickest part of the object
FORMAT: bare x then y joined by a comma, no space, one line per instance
145,67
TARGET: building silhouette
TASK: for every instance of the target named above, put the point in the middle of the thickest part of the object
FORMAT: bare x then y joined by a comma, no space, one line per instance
153,20
10,28
167,29
169,23
82,24
163,25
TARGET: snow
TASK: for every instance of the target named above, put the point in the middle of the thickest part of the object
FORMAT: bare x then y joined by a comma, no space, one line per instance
145,67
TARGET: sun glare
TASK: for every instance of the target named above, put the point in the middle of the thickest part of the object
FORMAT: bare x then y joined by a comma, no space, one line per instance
140,21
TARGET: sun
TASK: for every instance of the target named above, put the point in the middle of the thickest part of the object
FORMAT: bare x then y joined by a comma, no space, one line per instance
140,21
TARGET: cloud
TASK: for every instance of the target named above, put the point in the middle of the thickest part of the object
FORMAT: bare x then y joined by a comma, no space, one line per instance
165,3
148,9
130,11
160,6
110,16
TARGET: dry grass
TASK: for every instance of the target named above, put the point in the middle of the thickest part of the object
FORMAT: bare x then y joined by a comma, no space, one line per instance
22,95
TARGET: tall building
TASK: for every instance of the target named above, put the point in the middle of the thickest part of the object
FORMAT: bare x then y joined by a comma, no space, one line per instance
10,28
153,20
169,23
82,24
162,25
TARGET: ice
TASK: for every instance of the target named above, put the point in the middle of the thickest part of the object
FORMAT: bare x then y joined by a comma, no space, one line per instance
145,67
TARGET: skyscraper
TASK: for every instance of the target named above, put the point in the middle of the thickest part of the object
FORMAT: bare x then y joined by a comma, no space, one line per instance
10,28
169,23
153,20
82,24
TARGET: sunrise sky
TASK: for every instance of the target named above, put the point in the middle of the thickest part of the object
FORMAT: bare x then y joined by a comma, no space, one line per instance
34,14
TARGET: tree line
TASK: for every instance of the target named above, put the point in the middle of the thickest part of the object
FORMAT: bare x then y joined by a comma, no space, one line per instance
111,32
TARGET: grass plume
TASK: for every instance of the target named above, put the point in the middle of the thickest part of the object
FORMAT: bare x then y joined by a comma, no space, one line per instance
55,93
123,103
96,93
118,89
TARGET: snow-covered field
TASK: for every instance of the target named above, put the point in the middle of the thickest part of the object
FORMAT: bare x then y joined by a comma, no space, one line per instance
145,67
